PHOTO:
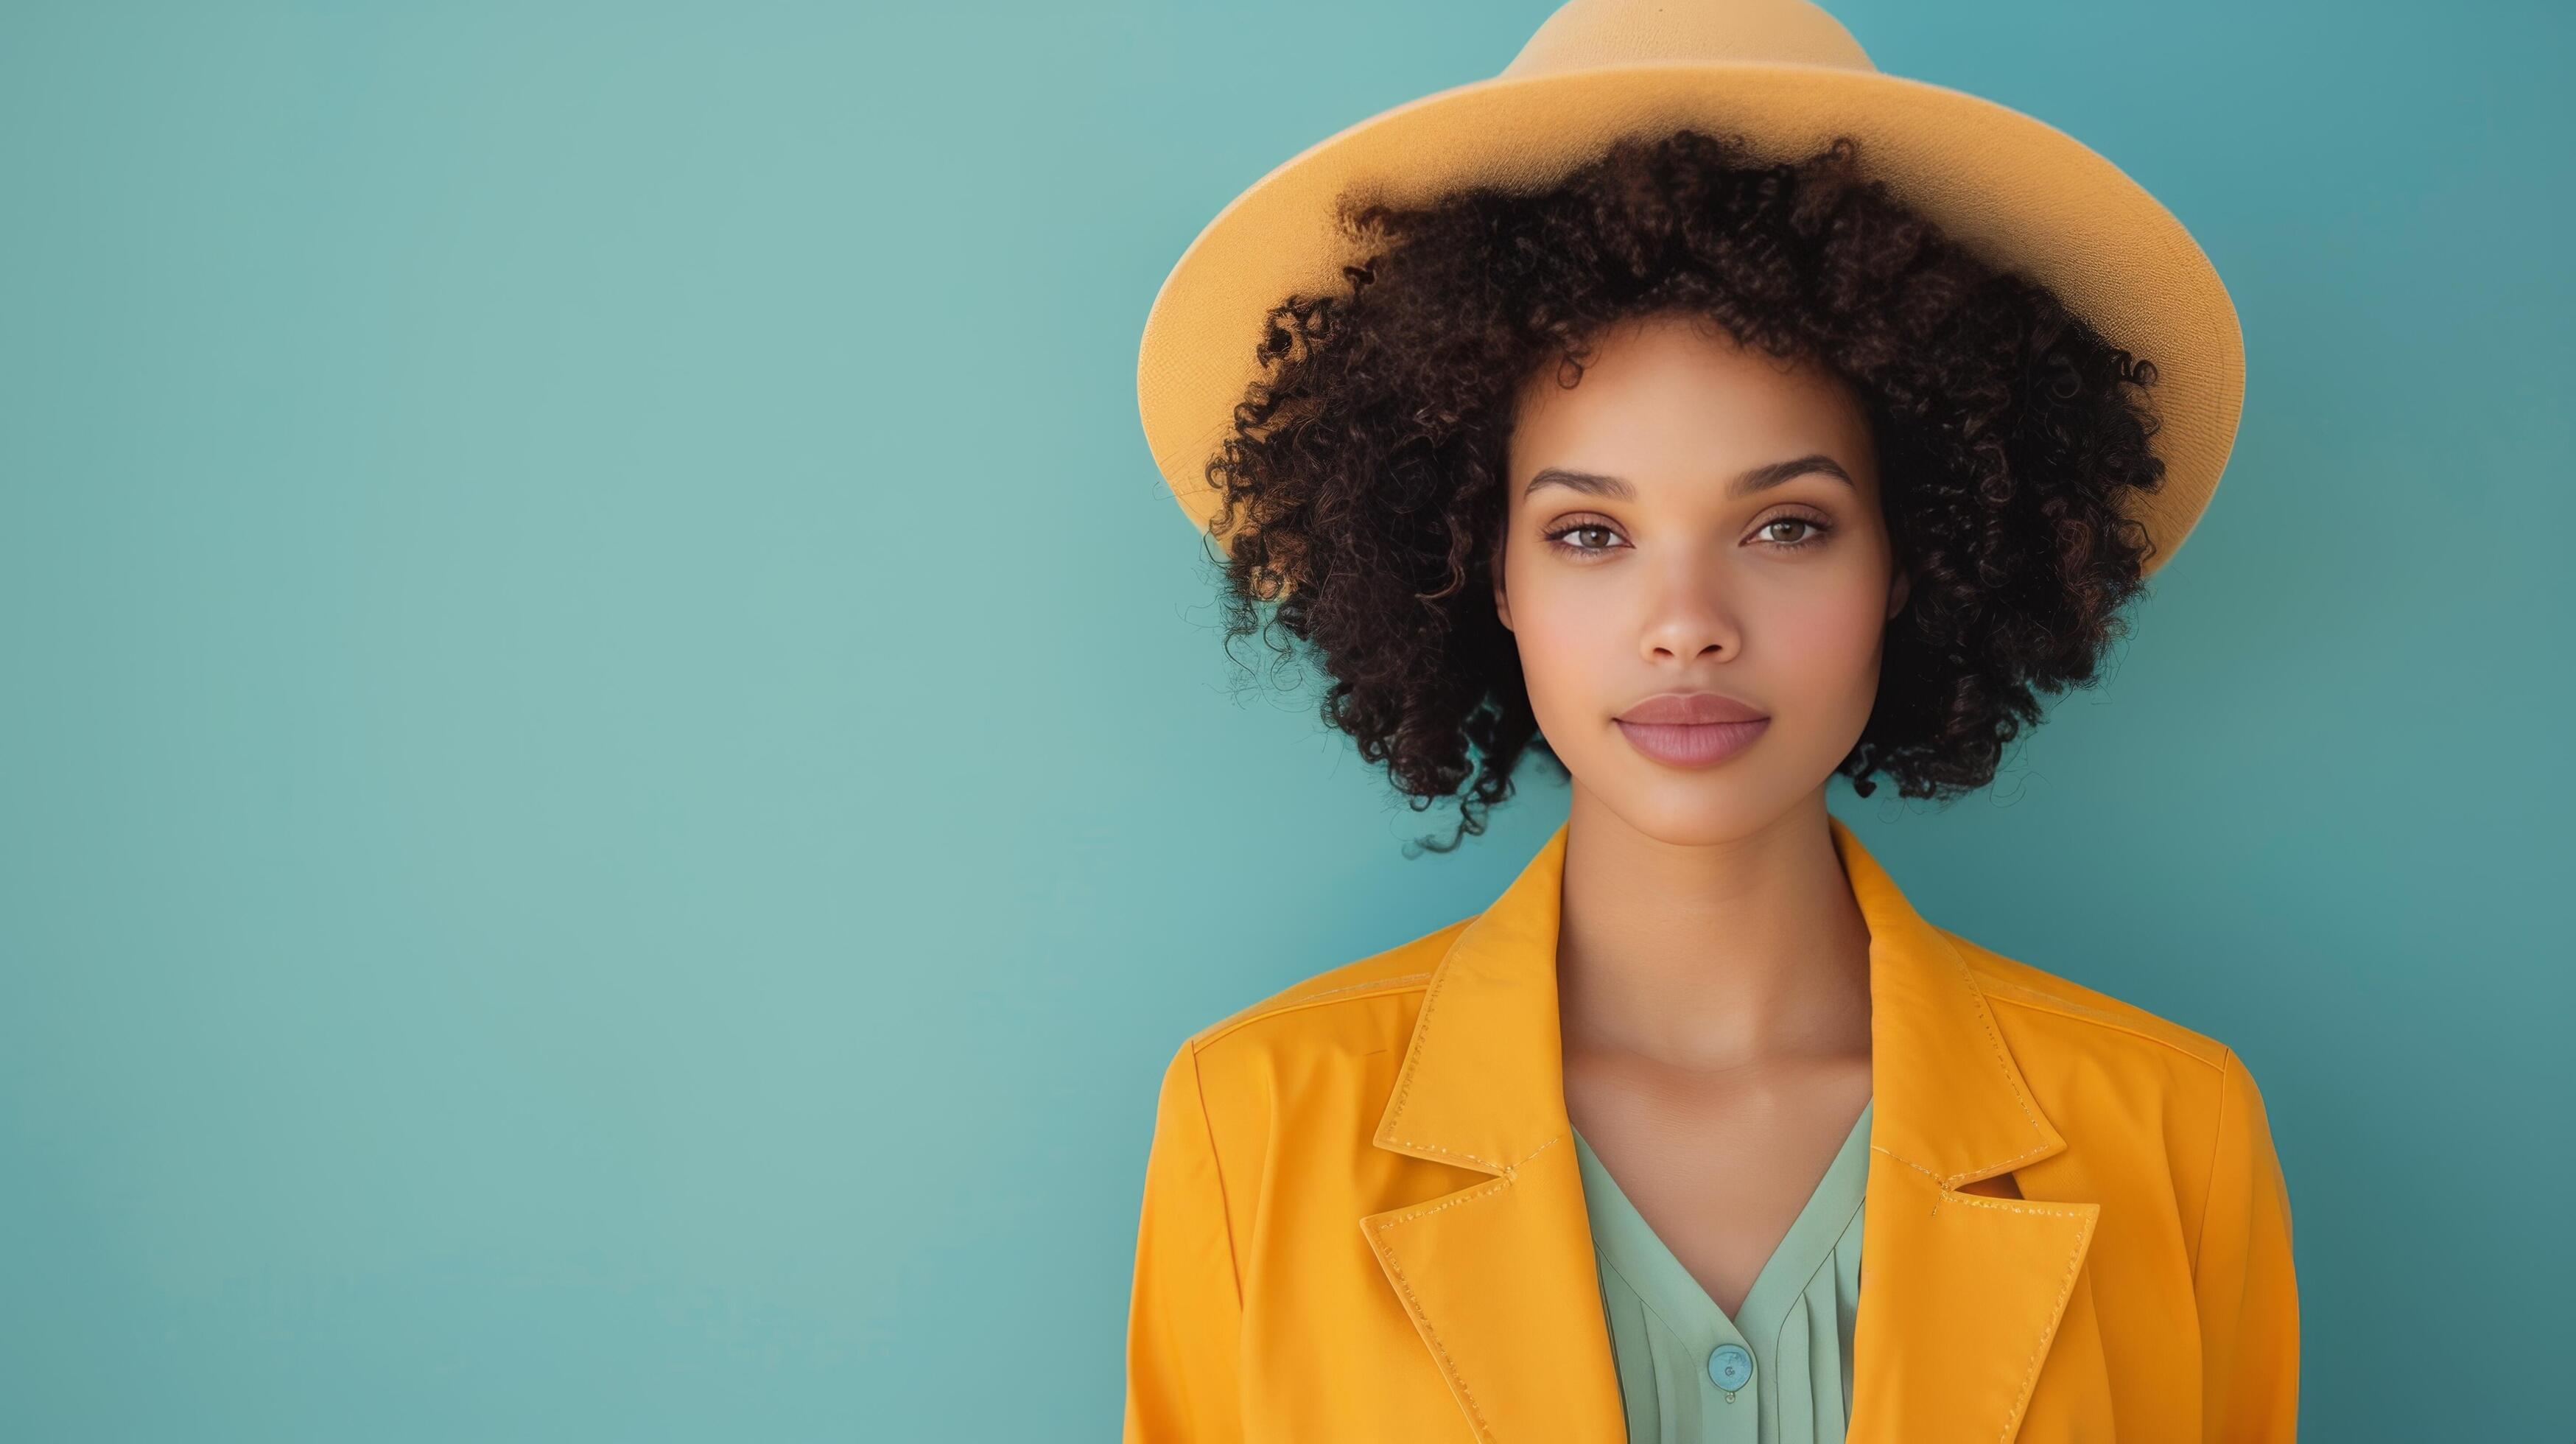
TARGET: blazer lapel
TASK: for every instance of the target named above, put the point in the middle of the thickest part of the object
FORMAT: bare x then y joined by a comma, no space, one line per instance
1499,1276
1960,1295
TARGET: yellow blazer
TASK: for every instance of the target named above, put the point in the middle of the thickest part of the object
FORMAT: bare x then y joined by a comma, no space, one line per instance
1363,1219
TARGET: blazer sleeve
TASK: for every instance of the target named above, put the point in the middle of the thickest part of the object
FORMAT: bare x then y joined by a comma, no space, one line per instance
1185,1313
2245,1280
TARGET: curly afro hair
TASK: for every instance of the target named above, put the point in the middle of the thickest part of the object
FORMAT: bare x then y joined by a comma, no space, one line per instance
1363,478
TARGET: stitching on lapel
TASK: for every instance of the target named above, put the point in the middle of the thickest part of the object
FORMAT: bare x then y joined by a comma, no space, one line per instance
1448,1366
2003,1065
1413,1053
2057,1311
1512,1170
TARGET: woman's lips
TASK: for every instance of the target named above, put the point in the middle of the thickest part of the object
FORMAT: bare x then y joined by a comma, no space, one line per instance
1691,744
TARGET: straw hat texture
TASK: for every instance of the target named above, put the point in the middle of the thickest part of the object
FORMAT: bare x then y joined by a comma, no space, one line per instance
1787,77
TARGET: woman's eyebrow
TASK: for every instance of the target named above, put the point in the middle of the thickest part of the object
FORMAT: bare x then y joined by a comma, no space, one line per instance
1760,478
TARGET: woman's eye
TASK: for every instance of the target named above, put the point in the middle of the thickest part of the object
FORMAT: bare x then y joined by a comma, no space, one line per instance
1812,530
1560,535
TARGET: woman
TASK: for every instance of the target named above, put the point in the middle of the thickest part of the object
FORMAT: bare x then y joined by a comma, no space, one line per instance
1652,412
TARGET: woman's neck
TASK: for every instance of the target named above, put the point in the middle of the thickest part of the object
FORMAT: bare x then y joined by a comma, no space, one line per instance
1710,957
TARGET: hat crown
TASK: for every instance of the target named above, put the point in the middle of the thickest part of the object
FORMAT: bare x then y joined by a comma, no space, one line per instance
1586,34
1785,77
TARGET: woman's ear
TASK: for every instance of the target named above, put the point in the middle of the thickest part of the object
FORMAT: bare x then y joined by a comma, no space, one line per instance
1494,564
1897,590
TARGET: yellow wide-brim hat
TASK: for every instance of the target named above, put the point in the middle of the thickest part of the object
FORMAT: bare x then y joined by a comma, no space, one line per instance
1788,78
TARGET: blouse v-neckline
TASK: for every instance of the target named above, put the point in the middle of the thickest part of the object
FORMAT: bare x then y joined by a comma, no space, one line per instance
1811,1280
1668,1285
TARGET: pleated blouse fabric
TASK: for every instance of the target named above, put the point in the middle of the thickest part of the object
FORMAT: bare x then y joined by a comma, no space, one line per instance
1779,1372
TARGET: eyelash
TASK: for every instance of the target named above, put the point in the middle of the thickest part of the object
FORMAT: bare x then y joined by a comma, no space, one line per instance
1816,532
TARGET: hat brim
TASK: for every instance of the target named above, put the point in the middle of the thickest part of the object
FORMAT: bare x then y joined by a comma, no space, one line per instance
2013,189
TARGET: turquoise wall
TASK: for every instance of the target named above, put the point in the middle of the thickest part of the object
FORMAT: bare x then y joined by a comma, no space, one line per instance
618,774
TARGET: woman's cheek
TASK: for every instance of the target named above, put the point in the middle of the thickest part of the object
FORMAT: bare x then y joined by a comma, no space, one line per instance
1569,642
1828,649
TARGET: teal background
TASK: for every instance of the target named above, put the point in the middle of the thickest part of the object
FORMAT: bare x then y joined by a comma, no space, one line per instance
619,775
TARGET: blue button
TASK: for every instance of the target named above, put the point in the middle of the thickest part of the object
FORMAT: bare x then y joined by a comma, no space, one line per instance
1730,1366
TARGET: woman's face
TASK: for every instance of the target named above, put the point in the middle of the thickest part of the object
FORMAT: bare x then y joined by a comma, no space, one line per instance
1696,518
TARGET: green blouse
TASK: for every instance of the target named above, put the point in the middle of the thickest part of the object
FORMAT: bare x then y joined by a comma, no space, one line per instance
1780,1372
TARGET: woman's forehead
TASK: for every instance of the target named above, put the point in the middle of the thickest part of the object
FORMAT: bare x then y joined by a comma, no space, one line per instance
1671,404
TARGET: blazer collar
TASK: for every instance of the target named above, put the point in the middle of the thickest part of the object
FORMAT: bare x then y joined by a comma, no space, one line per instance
1485,1087
1957,1303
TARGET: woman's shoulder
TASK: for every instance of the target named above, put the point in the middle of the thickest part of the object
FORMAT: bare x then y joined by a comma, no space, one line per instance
1321,1005
2113,1076
2046,1006
2124,1085
1320,1050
